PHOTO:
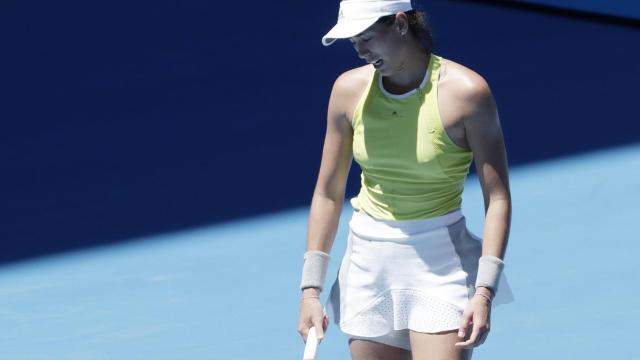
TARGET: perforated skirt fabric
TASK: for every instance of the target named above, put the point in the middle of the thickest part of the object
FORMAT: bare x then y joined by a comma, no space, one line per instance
416,274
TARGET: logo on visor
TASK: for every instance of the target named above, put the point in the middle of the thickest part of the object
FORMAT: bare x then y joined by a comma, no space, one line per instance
340,15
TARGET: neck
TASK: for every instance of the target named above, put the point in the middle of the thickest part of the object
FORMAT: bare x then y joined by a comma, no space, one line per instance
409,73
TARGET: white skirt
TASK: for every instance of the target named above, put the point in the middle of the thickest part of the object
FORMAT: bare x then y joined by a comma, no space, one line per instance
416,274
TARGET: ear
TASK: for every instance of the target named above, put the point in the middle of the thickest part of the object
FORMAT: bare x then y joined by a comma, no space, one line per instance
402,23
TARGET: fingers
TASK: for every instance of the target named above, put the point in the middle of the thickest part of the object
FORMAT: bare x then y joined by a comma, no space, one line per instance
472,339
466,320
477,338
311,314
478,314
318,323
303,330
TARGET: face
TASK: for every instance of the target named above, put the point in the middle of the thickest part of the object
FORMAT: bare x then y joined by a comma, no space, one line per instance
382,46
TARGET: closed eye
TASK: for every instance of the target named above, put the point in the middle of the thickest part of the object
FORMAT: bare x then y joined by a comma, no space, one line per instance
362,39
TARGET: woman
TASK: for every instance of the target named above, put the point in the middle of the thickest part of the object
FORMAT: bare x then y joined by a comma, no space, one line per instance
414,282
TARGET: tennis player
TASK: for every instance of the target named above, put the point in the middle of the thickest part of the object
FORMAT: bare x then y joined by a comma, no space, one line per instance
414,283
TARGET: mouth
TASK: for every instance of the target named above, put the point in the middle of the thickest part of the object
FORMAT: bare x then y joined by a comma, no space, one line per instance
377,63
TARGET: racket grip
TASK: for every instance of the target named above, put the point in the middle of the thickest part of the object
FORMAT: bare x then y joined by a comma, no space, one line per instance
311,346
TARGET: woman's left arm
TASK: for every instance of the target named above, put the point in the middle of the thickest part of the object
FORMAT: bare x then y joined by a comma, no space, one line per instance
485,138
484,135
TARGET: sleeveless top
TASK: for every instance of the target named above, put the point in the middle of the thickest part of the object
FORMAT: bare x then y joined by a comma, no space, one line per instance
411,169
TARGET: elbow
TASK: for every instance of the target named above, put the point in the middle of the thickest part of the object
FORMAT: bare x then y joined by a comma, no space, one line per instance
336,197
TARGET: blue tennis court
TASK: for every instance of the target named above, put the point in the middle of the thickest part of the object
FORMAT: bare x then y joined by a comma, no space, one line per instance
229,291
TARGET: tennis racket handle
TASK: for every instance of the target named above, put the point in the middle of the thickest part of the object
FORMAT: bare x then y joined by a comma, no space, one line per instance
311,346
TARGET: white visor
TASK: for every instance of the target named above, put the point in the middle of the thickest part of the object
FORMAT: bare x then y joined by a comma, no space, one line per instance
356,16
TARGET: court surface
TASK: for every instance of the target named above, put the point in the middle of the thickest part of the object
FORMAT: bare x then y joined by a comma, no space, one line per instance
230,291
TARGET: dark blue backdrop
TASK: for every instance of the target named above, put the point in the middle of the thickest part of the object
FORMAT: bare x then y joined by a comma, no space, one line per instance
121,119
622,8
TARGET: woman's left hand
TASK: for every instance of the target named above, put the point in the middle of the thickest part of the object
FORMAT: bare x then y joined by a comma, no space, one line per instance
478,313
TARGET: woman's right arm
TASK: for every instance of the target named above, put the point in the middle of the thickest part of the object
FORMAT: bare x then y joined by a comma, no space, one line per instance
329,192
328,195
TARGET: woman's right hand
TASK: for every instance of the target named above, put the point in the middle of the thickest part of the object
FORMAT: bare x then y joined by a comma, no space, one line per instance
312,314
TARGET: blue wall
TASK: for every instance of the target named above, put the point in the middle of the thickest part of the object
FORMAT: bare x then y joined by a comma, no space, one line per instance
623,8
121,119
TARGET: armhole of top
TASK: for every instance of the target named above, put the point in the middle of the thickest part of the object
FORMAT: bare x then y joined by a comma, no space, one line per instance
434,84
361,100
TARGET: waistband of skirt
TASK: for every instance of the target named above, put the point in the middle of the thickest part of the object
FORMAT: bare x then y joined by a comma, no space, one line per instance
363,223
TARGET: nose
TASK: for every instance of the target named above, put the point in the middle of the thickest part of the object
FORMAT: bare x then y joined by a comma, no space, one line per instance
360,49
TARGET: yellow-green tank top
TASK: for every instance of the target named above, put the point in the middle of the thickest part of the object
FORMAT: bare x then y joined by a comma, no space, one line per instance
410,167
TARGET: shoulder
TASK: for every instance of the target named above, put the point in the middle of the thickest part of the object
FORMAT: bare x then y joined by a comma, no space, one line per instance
467,89
462,82
353,81
348,88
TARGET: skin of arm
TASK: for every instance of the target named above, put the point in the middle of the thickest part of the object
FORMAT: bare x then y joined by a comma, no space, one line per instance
483,134
329,192
337,156
470,116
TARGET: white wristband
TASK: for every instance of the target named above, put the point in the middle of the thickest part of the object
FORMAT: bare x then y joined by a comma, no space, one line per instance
314,269
489,270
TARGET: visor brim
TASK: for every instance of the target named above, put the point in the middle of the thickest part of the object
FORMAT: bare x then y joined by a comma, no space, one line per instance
346,29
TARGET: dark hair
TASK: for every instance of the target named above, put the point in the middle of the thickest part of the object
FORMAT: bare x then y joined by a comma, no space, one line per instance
418,25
